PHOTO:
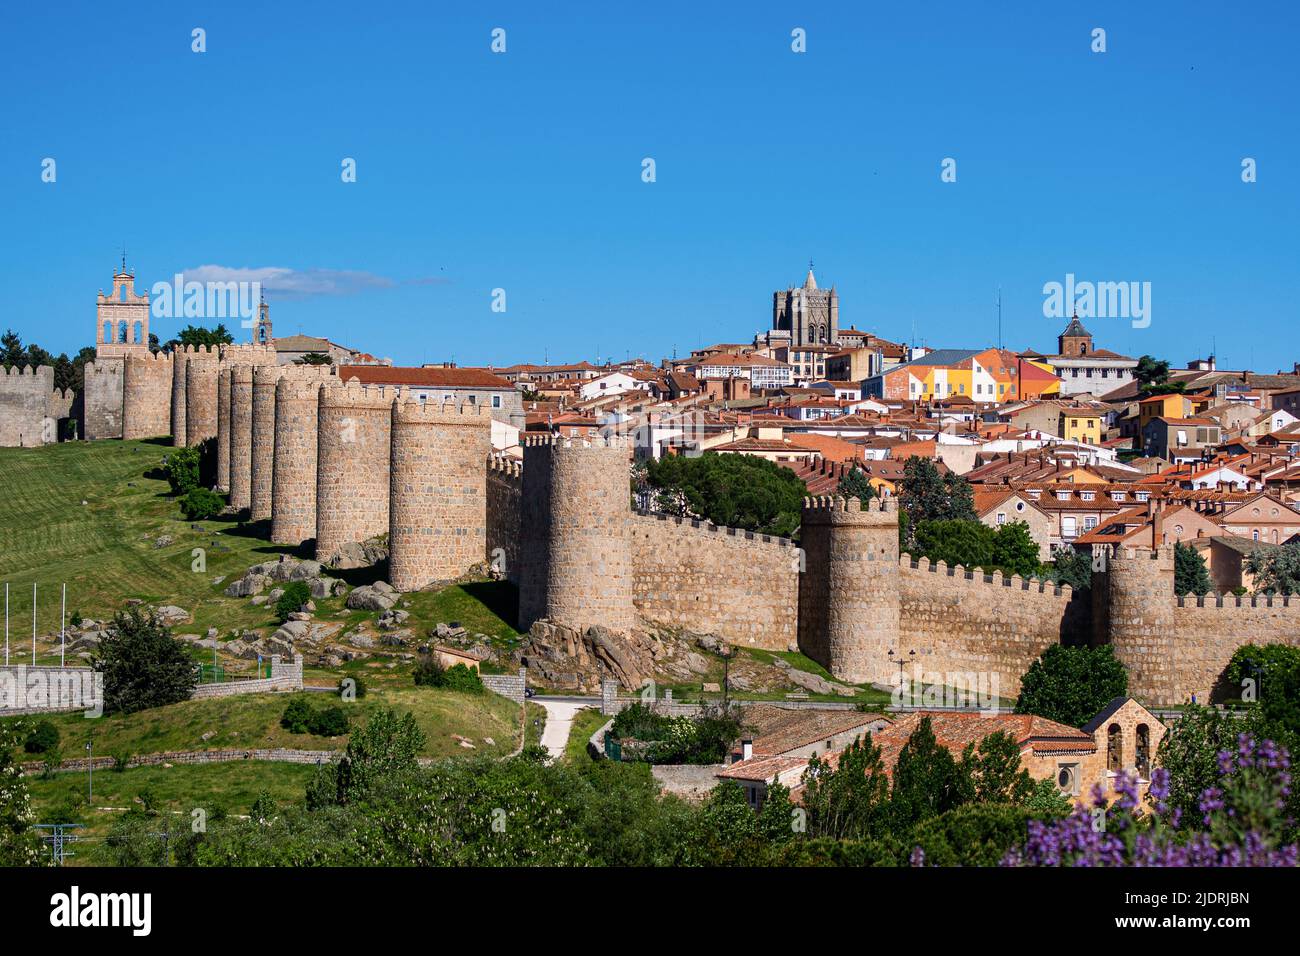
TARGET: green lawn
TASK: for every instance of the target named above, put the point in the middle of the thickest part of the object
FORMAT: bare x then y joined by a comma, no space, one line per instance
585,723
253,721
176,791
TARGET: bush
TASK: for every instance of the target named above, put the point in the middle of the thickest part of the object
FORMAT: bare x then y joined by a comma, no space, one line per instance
43,738
296,594
297,716
300,717
201,504
182,470
703,739
430,673
330,722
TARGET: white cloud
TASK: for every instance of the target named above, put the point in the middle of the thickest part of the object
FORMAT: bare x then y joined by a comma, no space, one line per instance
285,283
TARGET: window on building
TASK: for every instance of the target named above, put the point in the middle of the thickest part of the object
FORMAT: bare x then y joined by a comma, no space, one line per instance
1114,748
1089,523
1002,517
1143,750
496,401
1087,495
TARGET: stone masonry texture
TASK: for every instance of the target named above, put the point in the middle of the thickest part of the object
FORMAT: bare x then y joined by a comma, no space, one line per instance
147,395
293,478
352,480
438,501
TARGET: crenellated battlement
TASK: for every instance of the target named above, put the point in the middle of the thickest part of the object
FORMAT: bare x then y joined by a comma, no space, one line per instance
32,372
414,412
573,443
997,579
298,390
505,466
352,394
249,353
1215,601
201,353
711,529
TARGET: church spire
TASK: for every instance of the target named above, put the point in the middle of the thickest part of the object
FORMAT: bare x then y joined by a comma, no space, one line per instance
811,281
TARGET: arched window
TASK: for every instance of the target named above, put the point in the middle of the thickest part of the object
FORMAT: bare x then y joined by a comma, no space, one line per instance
1114,748
1143,750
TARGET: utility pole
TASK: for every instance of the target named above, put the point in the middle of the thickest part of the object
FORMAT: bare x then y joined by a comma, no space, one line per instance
63,621
33,623
6,624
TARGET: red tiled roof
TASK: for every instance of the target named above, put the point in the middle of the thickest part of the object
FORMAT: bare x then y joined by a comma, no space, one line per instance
433,377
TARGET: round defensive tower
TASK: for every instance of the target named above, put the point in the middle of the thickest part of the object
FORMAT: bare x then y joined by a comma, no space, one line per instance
293,477
849,589
265,378
352,463
146,395
223,428
438,492
241,436
200,400
181,359
1140,587
576,533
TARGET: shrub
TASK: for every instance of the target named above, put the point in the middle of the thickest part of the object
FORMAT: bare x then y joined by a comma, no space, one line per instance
463,679
43,738
297,716
201,504
296,594
329,722
182,470
428,672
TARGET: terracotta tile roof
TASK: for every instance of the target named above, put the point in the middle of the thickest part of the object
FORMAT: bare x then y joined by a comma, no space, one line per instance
434,377
778,730
764,770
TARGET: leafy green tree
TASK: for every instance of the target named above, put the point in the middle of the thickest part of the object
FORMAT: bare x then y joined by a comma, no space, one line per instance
855,484
1071,684
735,491
182,470
196,336
389,744
143,665
1153,378
1190,574
851,800
994,772
1254,668
926,495
1015,551
1071,567
968,543
20,845
314,358
1277,569
927,780
1190,752
44,737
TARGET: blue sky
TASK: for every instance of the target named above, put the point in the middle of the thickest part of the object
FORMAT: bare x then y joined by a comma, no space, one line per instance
522,171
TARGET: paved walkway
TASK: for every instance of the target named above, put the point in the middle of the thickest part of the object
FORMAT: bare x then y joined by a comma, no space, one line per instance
559,721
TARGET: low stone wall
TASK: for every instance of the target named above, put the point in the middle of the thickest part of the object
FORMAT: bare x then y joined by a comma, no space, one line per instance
277,755
507,685
284,678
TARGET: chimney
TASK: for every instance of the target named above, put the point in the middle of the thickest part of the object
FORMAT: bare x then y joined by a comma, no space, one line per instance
746,748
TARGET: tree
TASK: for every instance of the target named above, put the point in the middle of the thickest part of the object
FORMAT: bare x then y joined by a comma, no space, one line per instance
968,543
851,800
196,336
1015,551
314,358
142,664
994,771
1276,570
296,594
734,491
1153,378
388,744
1190,573
201,504
1190,752
856,485
926,495
182,469
1071,567
20,845
1071,684
927,780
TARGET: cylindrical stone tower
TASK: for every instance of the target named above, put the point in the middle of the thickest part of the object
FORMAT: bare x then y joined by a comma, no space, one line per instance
223,428
1140,585
577,538
352,463
438,501
181,359
146,395
241,436
200,400
265,378
293,478
849,588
